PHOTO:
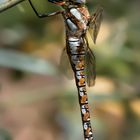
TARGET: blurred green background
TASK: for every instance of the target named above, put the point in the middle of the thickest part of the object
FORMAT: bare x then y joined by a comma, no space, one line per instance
37,102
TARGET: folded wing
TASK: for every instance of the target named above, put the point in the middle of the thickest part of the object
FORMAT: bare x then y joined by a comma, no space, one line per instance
65,65
90,67
95,23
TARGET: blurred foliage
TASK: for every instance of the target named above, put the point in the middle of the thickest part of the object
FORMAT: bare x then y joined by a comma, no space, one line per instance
4,135
117,54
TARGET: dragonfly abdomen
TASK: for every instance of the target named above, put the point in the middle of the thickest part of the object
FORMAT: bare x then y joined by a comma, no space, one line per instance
76,46
83,101
76,52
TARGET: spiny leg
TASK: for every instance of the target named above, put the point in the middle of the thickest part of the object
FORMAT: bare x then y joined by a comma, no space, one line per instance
45,14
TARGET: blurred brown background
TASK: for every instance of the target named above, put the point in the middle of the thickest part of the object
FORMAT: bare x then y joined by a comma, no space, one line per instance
37,102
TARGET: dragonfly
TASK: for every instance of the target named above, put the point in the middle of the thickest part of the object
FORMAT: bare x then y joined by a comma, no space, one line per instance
80,58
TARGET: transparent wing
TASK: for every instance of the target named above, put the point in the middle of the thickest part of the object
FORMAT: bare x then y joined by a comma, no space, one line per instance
90,67
5,4
95,23
65,65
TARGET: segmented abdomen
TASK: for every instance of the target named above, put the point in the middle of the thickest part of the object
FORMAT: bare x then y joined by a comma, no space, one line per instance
76,51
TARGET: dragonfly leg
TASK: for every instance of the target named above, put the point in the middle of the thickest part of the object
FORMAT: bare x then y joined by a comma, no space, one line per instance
45,14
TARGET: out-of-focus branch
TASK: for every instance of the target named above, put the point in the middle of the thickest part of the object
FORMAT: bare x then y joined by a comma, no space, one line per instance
5,4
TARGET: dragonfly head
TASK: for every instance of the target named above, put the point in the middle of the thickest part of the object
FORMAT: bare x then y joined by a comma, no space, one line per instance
67,2
58,2
78,1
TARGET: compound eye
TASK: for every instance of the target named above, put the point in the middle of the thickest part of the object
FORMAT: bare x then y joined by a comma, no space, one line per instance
58,2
